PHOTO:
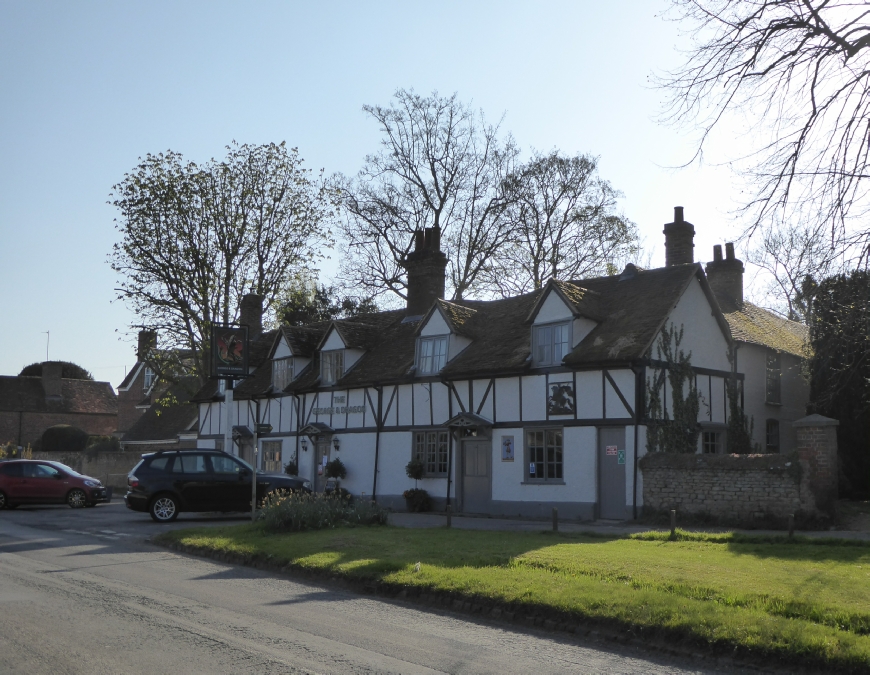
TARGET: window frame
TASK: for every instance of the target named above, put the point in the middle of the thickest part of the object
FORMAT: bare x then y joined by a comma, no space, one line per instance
538,329
329,355
440,456
773,378
558,464
149,377
716,444
282,366
772,422
272,443
443,358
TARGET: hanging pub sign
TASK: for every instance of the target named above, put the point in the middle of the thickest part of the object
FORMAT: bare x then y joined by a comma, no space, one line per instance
229,351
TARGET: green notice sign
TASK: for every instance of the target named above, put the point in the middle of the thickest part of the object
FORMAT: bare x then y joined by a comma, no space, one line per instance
620,457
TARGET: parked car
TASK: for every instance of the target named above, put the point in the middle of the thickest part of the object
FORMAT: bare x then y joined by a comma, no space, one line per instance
167,482
31,481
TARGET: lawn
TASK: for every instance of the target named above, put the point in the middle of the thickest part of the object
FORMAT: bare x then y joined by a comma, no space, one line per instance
800,601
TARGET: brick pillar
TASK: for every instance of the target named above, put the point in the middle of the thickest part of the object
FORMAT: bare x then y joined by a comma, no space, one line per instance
817,449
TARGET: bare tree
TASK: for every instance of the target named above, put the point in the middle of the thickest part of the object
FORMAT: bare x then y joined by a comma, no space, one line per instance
788,254
440,165
798,70
195,239
563,225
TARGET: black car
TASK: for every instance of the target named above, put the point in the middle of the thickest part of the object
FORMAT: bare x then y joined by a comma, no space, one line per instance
168,482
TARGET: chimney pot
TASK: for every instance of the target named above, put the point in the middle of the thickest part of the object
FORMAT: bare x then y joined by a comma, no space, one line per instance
717,253
678,214
729,251
726,276
419,241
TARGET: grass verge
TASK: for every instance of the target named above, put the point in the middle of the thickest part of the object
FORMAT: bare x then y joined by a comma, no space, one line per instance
805,601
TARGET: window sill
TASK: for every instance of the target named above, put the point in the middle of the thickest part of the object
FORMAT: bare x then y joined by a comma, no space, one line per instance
543,482
775,405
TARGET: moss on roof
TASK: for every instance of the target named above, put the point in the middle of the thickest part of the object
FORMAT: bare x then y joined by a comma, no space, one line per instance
755,325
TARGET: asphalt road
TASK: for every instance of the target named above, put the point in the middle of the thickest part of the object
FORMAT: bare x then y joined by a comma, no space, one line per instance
83,591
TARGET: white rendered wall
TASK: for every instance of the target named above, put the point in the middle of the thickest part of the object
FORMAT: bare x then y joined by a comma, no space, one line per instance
507,399
588,395
553,309
282,351
624,380
333,341
436,325
702,335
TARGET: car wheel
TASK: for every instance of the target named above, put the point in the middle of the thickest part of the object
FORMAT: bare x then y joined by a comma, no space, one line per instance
164,508
77,499
4,503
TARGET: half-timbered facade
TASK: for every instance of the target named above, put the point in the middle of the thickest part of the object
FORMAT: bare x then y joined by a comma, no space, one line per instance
514,406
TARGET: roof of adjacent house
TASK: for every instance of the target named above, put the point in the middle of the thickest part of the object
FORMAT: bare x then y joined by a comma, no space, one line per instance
26,394
755,325
170,414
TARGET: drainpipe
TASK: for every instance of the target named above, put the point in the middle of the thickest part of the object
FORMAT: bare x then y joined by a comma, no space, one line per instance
639,408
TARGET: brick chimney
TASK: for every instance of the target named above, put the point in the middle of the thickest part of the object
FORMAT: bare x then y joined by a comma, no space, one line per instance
726,276
52,382
251,311
147,342
425,266
679,240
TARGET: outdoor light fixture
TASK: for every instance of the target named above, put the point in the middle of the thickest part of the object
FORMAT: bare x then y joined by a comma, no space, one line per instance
304,444
335,442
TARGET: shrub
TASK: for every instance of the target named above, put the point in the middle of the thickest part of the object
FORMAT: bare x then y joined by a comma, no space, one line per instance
103,444
301,511
335,469
291,468
10,451
415,469
417,500
69,371
64,438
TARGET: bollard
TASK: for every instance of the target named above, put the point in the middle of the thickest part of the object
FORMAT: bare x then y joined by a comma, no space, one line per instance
555,519
790,525
449,519
673,523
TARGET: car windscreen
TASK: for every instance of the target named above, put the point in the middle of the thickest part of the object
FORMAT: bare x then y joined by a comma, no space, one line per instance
66,469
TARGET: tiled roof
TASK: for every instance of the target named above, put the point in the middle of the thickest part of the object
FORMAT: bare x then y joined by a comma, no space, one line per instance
26,394
303,340
755,325
457,315
164,422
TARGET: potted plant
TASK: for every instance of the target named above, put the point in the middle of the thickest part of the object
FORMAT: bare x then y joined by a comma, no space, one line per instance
291,468
417,500
335,470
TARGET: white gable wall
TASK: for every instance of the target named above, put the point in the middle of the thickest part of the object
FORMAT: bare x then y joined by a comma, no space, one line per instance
702,335
553,309
333,341
436,325
282,351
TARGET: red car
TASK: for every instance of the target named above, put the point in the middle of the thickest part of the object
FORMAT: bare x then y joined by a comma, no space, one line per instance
31,481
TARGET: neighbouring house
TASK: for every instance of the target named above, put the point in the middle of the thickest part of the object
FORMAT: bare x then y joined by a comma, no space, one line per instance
30,405
514,406
154,414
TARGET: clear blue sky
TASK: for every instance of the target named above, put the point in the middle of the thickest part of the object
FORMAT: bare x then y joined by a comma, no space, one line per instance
86,88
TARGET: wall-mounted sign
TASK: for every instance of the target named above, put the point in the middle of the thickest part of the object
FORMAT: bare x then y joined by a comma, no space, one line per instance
611,450
229,351
532,469
620,458
339,410
561,399
507,448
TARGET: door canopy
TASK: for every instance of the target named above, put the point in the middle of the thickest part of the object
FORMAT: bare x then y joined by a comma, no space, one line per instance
469,425
315,430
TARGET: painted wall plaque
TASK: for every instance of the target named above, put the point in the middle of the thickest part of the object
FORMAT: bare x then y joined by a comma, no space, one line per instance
507,448
561,399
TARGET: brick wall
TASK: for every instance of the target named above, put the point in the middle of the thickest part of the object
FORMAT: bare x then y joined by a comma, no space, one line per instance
817,447
110,467
26,427
731,488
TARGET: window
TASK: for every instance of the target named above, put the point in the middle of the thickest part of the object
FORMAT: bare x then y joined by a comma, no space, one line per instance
282,373
222,386
189,464
159,464
432,355
772,436
272,457
773,378
331,366
40,471
430,447
551,344
225,465
13,469
544,455
711,442
149,379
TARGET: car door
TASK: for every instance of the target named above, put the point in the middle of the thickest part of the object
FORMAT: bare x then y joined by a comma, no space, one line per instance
230,491
12,480
42,483
191,479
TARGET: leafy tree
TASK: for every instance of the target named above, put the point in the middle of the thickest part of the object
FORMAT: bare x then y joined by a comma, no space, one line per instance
840,370
798,71
440,165
563,224
308,302
70,371
194,239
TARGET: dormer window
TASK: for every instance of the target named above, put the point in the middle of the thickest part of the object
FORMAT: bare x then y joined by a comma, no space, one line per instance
331,366
432,354
148,380
282,373
550,343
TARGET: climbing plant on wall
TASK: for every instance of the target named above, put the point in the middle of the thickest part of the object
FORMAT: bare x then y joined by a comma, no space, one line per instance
673,412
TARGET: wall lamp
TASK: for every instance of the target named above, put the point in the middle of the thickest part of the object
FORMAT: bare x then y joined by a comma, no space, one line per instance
335,443
304,443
